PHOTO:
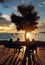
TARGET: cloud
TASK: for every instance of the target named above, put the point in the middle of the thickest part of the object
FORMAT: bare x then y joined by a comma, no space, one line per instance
13,26
22,1
42,3
41,25
6,17
7,26
15,8
10,29
7,29
43,13
4,20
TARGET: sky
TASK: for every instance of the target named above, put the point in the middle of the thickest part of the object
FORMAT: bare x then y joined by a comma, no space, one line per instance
10,6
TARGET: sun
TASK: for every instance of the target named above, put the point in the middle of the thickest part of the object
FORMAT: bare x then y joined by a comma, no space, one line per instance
28,35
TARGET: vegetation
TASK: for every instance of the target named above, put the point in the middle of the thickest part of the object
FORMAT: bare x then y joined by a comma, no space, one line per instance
28,19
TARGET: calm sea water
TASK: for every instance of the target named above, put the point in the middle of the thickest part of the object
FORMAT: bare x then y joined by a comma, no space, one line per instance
7,36
14,36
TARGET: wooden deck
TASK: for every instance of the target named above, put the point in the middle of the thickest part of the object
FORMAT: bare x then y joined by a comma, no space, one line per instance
9,56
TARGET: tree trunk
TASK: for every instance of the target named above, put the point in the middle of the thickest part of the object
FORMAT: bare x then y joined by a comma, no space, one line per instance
25,36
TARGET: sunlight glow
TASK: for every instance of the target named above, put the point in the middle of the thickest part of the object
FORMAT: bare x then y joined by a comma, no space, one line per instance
28,35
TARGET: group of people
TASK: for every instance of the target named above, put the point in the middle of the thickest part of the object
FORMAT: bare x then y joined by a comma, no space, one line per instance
30,47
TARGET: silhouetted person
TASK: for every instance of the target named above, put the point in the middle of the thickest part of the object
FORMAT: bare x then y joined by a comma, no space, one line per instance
10,43
10,40
18,45
33,40
35,46
18,39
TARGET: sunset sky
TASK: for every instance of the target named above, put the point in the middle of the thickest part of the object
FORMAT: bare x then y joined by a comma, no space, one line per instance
10,6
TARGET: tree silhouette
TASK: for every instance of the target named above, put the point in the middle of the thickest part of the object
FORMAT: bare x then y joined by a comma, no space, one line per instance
28,19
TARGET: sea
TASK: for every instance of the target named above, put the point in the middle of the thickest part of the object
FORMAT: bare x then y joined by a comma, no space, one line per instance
14,36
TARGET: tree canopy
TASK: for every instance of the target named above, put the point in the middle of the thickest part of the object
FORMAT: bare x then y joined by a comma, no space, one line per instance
28,20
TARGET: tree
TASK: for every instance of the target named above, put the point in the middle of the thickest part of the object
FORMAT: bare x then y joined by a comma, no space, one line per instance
28,20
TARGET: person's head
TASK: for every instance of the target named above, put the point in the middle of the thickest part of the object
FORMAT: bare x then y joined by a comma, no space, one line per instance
33,40
10,39
18,39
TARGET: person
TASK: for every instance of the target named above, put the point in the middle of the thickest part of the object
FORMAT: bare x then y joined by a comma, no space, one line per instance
18,39
9,43
33,40
35,46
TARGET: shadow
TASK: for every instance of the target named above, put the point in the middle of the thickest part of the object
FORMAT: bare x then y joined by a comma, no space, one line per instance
32,47
12,58
18,62
15,59
39,60
27,54
2,50
9,57
4,53
34,60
